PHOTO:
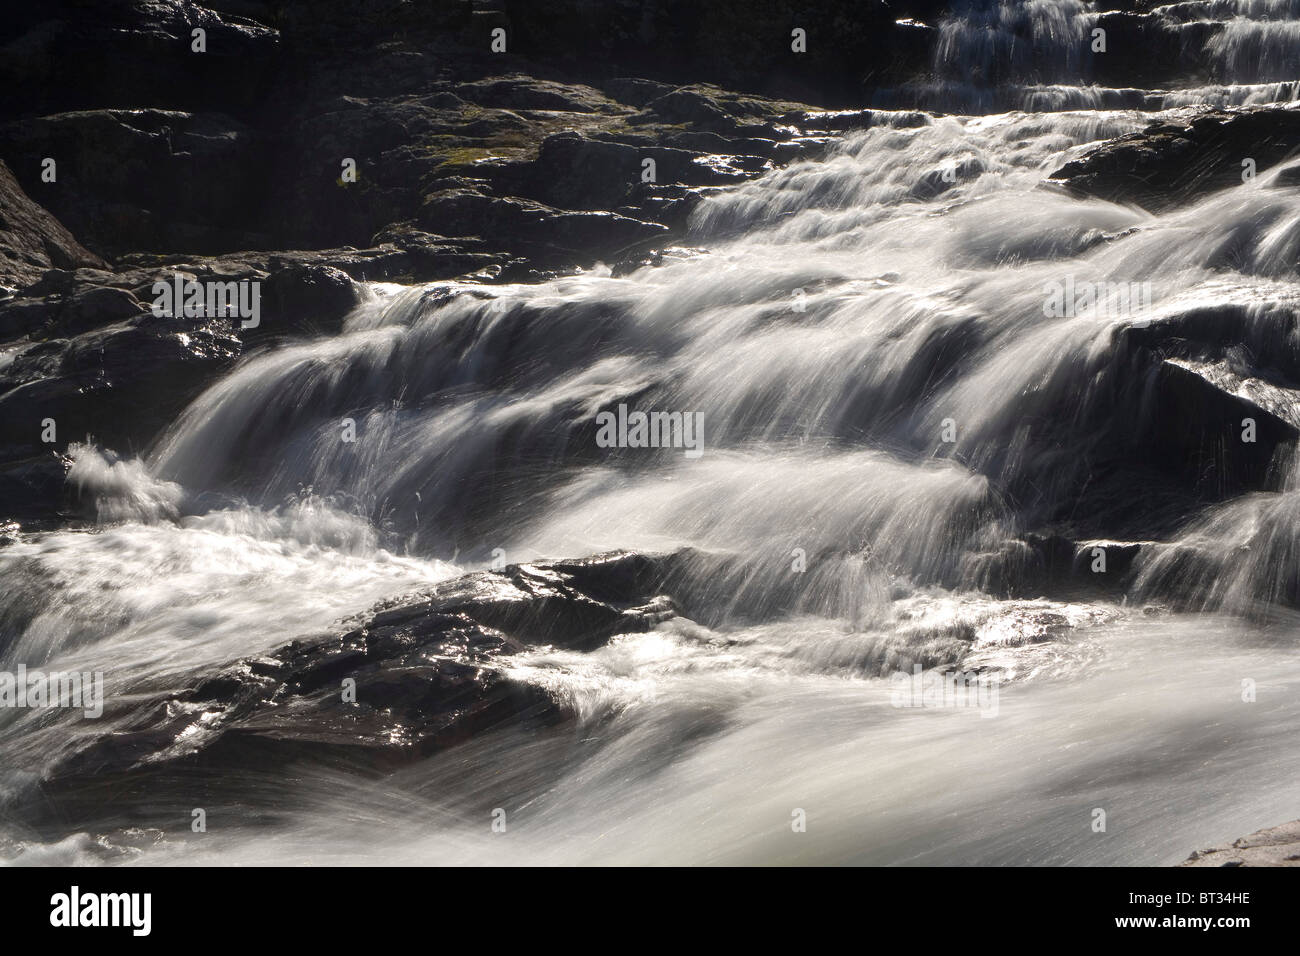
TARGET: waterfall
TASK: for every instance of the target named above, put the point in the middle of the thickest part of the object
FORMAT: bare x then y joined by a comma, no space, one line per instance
996,55
899,418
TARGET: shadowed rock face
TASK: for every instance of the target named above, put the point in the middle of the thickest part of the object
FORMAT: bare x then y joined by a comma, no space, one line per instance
32,241
1276,846
430,671
456,157
1172,163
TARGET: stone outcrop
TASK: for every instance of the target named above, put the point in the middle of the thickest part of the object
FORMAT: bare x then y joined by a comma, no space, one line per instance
1275,846
1172,162
428,671
32,241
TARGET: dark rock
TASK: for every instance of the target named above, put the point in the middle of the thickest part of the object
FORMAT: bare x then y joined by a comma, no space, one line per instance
938,181
836,121
527,226
31,491
430,672
1142,51
31,240
147,178
425,257
1288,176
119,384
1051,565
574,172
297,297
693,107
132,53
1197,427
401,252
634,91
1174,162
58,315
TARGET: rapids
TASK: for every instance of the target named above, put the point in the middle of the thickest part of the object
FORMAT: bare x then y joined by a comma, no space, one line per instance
866,342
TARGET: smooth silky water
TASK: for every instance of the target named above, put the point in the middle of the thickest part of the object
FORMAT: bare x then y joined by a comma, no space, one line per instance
825,320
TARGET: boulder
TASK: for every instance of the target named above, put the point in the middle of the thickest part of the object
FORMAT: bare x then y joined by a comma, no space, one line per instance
1275,846
1175,162
58,316
32,492
532,228
32,241
299,297
431,670
119,384
1197,428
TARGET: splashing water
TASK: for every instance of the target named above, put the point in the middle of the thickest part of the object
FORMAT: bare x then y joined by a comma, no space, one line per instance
829,322
1044,55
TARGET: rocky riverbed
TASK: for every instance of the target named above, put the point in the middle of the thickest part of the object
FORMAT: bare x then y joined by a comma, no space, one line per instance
321,151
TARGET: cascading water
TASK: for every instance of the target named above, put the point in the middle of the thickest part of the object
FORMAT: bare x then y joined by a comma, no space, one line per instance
1058,56
881,392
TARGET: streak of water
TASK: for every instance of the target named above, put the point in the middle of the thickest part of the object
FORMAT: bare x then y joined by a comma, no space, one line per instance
882,391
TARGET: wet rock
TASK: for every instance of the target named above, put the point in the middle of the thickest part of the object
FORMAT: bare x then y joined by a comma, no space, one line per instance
1163,428
575,172
32,491
1275,846
68,315
32,241
119,384
1261,333
400,252
1103,565
938,181
1052,565
425,257
534,228
66,304
1174,162
1202,430
835,121
430,671
304,297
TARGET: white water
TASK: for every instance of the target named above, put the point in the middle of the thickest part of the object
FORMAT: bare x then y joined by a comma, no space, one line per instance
1039,55
252,523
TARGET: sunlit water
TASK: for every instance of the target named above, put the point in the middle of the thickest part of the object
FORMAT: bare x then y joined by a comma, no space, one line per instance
827,321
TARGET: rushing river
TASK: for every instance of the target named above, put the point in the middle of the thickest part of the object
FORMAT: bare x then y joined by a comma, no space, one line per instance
865,342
